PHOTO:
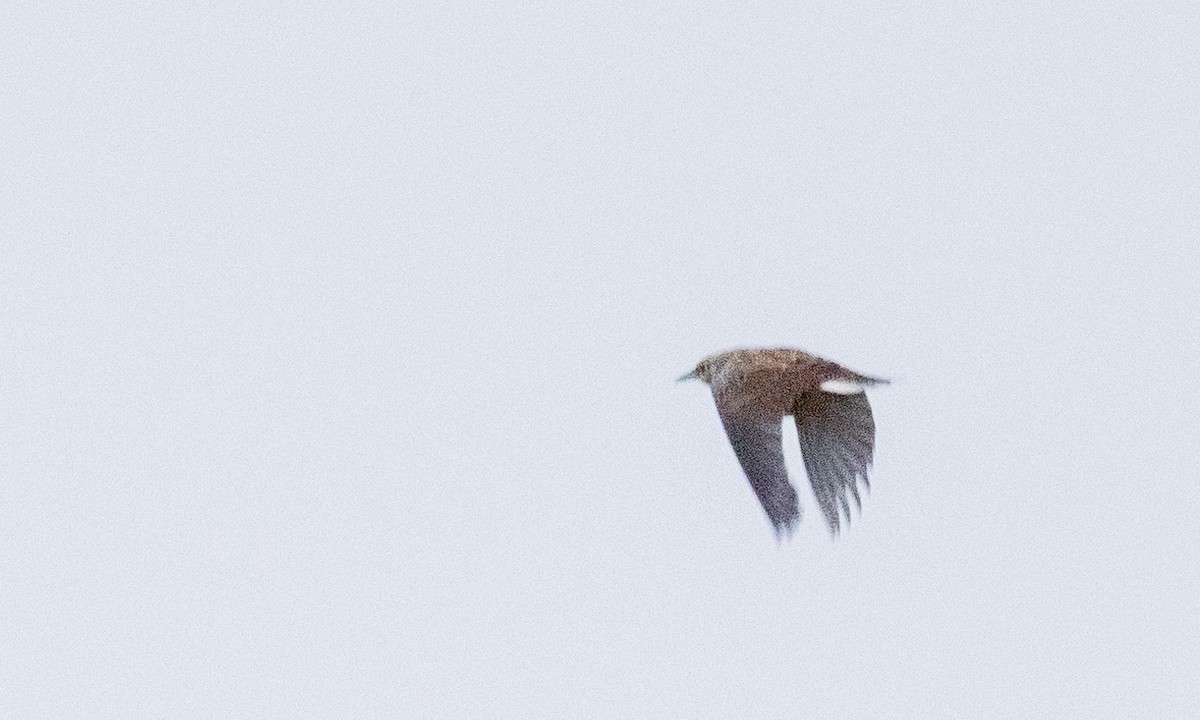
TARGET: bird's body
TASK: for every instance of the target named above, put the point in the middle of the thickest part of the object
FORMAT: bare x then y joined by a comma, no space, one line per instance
755,388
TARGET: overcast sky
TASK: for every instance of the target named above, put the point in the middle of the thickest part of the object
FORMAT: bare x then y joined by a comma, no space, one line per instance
338,349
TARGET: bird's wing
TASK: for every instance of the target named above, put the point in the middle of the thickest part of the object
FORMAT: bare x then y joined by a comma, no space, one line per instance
758,442
837,440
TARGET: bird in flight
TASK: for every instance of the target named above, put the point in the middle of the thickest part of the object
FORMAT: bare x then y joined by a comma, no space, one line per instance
755,388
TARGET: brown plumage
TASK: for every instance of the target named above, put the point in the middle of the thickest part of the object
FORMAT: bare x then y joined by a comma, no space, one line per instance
754,389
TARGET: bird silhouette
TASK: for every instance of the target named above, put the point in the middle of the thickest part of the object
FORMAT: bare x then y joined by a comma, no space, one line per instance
755,388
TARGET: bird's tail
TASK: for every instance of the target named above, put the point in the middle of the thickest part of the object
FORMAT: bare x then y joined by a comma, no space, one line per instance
843,381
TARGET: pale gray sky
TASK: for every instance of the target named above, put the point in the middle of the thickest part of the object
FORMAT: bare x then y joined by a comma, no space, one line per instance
338,348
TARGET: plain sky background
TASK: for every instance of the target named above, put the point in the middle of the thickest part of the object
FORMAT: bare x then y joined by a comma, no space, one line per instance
338,347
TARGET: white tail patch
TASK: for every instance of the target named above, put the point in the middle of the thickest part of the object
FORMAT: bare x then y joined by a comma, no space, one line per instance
842,387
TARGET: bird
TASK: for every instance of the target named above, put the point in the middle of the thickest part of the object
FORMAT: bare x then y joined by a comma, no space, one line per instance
754,388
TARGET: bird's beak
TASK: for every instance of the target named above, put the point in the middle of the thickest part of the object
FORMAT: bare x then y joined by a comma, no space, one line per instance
689,376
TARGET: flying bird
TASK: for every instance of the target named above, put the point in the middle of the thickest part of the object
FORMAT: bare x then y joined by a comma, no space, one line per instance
755,388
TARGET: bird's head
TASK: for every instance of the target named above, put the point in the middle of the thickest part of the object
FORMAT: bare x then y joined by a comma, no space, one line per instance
703,371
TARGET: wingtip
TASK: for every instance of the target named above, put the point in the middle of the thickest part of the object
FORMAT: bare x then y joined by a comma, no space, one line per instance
786,527
833,521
